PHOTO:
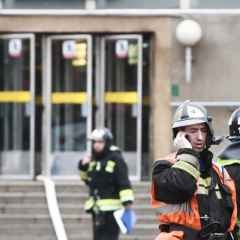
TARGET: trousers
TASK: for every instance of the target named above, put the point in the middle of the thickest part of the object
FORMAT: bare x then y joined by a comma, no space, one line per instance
105,226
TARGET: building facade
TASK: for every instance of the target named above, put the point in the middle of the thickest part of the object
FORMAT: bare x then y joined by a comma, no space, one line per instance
65,69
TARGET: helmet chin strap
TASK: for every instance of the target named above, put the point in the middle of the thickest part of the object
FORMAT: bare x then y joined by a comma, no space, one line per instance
205,160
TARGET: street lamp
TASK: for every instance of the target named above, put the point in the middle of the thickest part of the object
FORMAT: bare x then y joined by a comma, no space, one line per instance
188,33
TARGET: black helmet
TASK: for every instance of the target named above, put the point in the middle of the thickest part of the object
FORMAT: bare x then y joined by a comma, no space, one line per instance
189,113
234,125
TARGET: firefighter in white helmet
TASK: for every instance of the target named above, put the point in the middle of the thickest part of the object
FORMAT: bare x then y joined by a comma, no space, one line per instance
195,199
106,174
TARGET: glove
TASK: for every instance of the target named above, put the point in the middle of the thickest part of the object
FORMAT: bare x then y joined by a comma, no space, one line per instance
181,141
83,163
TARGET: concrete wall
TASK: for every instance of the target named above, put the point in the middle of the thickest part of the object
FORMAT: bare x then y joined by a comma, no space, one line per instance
216,68
216,61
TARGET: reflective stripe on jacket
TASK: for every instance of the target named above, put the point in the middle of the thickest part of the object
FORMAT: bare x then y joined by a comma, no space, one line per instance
187,213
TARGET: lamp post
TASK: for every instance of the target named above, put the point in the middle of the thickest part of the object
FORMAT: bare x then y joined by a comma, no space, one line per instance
188,33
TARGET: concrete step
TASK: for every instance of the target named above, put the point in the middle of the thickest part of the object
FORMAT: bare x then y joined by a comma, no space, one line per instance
34,229
86,219
22,197
22,189
23,212
25,219
78,224
86,228
122,237
25,209
28,237
76,198
78,186
145,231
73,209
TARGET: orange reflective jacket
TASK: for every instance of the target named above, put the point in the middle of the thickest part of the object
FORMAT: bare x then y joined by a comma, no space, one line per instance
187,213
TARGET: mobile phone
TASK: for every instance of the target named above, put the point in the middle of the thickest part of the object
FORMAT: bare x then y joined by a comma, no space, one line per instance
187,137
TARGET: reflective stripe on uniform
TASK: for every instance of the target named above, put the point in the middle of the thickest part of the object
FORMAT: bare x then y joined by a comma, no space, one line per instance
110,166
126,195
206,182
187,168
83,175
98,167
91,165
204,185
192,219
103,204
227,162
172,208
89,204
109,204
204,191
227,180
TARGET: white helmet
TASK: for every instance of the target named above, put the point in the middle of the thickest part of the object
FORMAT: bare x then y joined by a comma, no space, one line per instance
189,113
101,134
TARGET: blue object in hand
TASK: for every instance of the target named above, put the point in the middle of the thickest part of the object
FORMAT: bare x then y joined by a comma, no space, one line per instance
129,219
126,219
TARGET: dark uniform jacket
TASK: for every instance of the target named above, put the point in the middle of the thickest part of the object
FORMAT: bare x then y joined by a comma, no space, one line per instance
176,183
230,159
108,182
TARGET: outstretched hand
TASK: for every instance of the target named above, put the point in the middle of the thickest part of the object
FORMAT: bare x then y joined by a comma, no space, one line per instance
86,159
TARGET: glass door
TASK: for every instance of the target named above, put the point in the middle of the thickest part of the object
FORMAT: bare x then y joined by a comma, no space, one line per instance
17,106
122,95
68,105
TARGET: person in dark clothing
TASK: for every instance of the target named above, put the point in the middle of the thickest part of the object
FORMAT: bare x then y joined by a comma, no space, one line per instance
195,198
106,175
230,156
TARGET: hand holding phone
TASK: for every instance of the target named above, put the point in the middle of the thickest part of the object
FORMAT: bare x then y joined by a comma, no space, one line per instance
181,141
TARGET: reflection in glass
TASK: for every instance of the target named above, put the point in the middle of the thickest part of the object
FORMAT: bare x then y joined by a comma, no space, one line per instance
137,4
69,119
224,4
44,4
14,115
121,76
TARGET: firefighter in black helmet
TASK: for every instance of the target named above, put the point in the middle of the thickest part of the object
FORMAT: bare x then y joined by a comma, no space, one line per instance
230,156
106,175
